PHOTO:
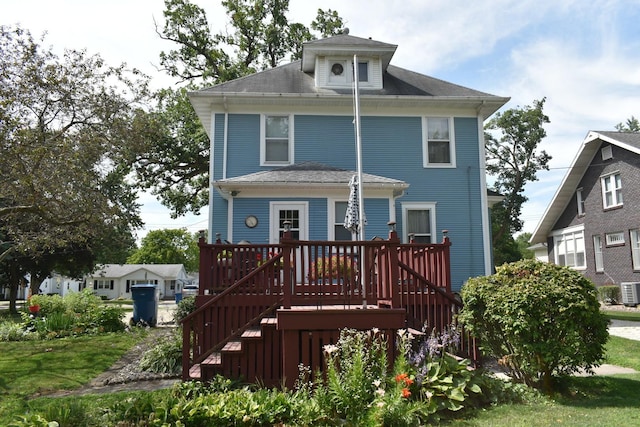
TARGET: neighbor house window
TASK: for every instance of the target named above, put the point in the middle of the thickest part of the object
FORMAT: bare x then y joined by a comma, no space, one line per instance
611,190
277,145
615,239
102,284
597,253
419,222
580,201
339,212
438,142
635,248
569,248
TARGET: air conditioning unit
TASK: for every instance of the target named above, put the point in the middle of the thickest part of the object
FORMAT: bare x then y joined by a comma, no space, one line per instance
630,293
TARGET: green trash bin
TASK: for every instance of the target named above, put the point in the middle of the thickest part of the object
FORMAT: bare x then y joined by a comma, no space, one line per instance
145,303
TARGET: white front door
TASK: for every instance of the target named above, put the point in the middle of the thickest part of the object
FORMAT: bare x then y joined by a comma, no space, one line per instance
294,212
297,213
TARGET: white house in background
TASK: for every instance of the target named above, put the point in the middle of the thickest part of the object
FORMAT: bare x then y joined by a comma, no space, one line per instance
115,280
61,285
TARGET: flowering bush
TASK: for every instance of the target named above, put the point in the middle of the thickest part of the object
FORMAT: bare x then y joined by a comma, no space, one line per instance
333,268
277,264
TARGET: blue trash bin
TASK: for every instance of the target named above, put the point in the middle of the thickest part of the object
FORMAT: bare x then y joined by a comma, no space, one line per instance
178,297
145,303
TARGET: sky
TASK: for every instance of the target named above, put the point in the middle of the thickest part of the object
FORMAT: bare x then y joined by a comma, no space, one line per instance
582,56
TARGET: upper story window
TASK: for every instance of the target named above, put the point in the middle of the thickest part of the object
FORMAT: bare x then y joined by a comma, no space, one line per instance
580,202
615,239
569,248
611,190
439,146
419,221
635,247
363,71
276,145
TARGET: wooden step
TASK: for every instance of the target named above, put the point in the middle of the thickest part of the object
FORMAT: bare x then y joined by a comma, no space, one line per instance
194,372
268,321
214,359
232,347
252,334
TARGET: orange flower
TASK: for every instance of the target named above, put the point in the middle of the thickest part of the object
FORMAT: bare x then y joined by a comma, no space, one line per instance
401,377
408,382
406,393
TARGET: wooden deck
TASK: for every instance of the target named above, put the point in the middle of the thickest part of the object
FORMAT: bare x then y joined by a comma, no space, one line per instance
264,309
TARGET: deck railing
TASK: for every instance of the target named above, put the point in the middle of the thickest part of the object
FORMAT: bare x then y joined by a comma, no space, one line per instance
241,283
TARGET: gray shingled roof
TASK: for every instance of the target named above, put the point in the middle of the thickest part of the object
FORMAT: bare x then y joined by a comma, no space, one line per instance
345,44
566,190
306,173
168,271
289,79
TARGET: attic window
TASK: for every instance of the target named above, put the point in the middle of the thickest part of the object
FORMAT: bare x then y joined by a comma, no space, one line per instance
607,153
337,69
363,71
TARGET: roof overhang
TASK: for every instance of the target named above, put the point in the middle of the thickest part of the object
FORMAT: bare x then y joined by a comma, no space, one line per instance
205,103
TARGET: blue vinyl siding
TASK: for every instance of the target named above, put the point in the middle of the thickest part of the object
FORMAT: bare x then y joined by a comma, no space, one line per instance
391,147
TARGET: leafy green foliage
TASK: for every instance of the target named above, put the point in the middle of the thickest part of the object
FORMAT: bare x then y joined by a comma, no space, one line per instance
609,294
76,313
168,246
541,320
631,125
513,159
185,307
165,356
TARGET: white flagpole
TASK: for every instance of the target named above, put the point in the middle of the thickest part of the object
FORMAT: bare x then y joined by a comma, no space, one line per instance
359,169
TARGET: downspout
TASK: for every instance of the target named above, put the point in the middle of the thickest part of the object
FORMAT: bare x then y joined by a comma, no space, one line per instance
212,150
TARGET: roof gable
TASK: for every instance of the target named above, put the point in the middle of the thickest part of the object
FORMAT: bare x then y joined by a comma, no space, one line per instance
627,140
121,270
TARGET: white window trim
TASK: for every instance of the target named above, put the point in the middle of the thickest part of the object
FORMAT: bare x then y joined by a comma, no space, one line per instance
425,144
263,148
635,247
615,238
616,203
598,257
580,202
564,232
418,206
332,221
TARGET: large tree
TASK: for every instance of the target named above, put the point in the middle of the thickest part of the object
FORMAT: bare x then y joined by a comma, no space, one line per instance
631,125
168,246
175,167
512,140
64,123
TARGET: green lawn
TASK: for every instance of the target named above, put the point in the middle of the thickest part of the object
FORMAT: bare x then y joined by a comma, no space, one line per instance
622,315
29,368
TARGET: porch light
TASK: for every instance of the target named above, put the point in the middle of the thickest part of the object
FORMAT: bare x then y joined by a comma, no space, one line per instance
444,233
287,225
392,225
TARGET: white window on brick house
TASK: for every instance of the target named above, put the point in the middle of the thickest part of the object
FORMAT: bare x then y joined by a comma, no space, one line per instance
580,201
569,248
634,236
615,239
611,190
597,253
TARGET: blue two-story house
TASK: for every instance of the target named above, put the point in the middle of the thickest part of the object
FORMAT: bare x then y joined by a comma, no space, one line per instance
283,148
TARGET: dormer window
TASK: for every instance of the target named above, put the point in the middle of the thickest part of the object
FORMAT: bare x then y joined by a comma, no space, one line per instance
363,71
339,72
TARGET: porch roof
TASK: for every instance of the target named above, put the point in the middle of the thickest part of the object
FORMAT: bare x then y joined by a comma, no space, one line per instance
308,174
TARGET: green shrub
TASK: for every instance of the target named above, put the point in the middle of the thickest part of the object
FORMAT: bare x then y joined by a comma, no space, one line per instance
12,331
185,307
609,294
49,304
165,356
540,320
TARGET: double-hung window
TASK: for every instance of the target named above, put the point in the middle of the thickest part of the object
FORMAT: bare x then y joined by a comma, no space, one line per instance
635,248
611,190
580,202
339,212
597,253
569,248
439,147
276,147
419,221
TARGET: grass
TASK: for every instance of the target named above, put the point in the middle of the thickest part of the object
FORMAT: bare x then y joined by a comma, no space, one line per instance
585,401
30,368
622,315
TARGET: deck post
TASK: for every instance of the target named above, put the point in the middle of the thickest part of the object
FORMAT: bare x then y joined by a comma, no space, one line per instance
205,265
287,282
447,259
394,272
